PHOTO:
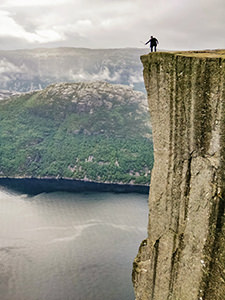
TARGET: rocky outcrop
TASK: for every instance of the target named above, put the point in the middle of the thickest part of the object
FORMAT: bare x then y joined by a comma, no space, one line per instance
183,257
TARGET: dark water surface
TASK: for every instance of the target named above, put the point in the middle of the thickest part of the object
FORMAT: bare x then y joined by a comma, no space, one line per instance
69,246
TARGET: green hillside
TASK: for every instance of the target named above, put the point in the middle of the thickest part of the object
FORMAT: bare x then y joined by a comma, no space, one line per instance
90,131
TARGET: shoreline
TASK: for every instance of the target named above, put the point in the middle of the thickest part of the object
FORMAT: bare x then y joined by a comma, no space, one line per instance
34,186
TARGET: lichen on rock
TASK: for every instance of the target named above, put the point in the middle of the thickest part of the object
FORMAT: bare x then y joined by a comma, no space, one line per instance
183,257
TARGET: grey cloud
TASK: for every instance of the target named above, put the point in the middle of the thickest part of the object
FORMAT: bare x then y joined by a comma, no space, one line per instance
14,43
26,20
10,71
104,75
178,24
6,66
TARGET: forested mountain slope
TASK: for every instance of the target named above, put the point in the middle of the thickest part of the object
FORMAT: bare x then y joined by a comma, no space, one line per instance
90,131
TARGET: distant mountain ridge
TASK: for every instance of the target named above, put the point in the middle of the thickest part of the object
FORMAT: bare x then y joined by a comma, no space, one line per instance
27,70
92,131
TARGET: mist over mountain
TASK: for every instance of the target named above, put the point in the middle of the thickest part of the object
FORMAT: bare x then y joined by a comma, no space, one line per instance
27,70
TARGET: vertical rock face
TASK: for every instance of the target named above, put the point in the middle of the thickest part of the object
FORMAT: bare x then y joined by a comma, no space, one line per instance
183,257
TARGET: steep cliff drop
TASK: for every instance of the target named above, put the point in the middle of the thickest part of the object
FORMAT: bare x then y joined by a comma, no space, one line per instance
183,257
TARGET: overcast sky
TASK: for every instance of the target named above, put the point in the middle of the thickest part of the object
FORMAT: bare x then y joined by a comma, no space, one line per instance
178,24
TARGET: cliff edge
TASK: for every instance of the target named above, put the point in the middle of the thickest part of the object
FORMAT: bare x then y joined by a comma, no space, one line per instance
183,257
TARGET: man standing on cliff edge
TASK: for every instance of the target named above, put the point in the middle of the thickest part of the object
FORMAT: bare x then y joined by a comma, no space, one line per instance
153,43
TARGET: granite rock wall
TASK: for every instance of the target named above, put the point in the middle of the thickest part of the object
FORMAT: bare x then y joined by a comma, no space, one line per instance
183,257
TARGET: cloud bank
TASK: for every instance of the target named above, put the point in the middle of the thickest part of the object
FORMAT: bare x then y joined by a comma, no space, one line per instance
178,24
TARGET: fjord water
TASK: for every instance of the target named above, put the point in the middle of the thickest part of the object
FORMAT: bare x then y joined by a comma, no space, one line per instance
69,246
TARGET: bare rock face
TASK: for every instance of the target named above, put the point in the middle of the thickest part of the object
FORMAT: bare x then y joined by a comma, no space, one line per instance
183,257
